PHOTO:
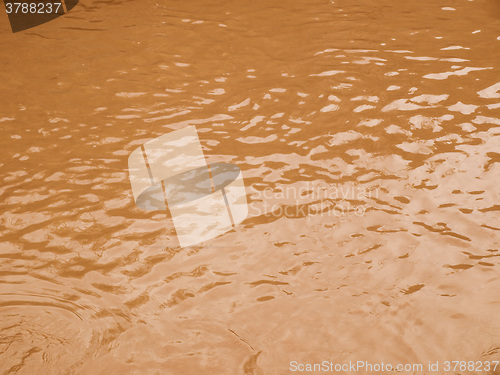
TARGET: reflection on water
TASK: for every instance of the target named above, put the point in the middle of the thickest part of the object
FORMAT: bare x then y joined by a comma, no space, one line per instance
396,100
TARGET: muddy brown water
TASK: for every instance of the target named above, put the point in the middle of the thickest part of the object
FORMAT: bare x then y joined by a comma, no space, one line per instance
368,134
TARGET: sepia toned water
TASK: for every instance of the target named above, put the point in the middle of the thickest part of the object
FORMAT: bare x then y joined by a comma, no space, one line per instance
368,135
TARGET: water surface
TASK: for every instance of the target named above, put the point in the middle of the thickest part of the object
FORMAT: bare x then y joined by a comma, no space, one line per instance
368,135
